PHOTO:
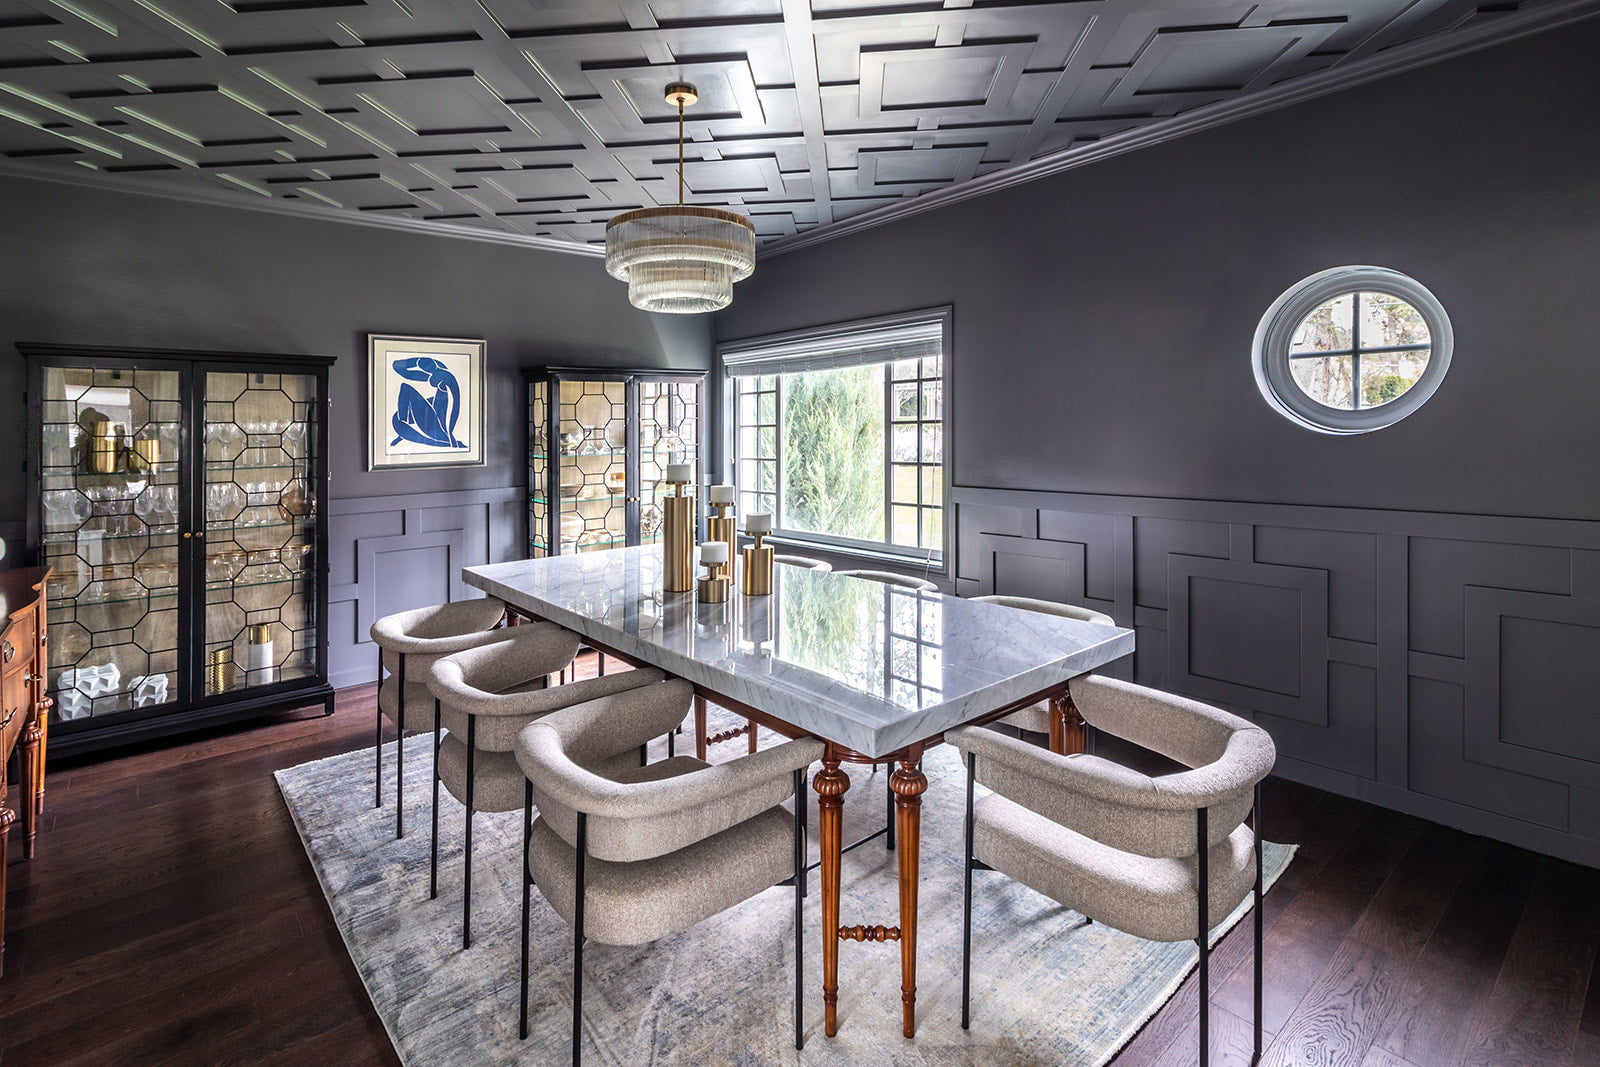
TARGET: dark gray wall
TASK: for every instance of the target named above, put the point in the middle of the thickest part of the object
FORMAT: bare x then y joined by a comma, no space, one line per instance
82,266
1407,611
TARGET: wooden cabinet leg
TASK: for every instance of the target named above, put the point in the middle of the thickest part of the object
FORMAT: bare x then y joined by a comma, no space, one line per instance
831,784
27,784
6,818
44,741
909,783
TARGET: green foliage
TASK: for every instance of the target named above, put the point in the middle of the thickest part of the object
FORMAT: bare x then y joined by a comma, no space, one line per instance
833,452
1381,390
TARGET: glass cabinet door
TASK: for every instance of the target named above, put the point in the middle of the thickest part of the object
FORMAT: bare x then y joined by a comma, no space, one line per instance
670,418
591,476
259,513
112,494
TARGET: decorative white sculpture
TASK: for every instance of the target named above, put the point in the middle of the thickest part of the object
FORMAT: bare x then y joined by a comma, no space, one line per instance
86,690
148,690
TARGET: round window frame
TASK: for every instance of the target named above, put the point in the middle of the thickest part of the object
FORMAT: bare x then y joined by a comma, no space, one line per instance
1275,334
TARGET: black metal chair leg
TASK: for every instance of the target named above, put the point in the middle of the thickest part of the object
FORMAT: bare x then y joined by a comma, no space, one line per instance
888,810
966,904
377,799
400,756
1203,941
799,905
577,942
466,882
433,877
527,885
1255,821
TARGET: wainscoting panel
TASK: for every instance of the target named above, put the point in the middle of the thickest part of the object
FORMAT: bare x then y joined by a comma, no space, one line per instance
389,554
1440,664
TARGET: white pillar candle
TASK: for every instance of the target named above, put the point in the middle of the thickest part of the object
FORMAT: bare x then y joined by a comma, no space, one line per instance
680,472
714,552
758,522
720,494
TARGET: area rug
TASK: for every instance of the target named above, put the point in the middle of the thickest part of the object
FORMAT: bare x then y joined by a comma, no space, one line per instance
1048,988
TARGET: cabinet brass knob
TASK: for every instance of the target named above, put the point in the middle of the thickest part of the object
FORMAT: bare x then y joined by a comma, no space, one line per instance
187,535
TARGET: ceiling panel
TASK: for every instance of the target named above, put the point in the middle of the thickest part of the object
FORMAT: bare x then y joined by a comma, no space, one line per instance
535,122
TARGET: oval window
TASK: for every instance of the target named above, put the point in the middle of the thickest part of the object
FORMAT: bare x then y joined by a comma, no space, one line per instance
1352,349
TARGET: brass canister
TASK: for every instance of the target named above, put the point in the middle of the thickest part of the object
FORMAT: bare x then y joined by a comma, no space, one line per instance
102,451
756,561
677,542
714,590
723,527
219,670
148,450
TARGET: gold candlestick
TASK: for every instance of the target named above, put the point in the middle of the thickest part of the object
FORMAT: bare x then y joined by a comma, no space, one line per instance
715,585
677,540
722,527
758,560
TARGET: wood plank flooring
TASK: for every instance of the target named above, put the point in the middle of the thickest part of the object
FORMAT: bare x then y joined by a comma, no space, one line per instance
171,916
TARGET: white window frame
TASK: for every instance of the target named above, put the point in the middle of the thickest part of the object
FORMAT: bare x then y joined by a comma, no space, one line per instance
857,343
1275,335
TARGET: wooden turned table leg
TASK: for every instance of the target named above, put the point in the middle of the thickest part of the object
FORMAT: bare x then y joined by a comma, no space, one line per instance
908,783
831,785
27,801
700,727
6,818
1066,726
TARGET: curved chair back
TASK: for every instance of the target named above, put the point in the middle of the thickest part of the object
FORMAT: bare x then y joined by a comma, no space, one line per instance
904,581
1048,607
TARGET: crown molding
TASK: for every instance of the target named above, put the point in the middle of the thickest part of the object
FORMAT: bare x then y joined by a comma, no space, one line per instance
1448,45
316,212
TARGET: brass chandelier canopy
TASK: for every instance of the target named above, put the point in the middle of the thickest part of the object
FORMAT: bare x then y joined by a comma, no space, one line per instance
680,259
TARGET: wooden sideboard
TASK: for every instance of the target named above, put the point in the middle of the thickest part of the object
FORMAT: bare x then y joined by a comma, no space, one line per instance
24,710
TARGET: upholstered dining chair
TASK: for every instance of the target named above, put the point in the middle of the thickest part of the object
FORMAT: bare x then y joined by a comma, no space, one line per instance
1156,857
484,697
804,561
627,857
408,643
904,581
1038,718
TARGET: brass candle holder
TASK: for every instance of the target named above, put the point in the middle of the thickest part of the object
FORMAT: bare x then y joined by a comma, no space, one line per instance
677,539
758,560
722,526
715,585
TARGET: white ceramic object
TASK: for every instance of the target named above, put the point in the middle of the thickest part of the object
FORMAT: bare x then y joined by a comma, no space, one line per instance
87,690
149,690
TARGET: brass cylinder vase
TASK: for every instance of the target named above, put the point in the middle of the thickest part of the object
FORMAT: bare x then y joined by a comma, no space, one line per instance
677,541
219,670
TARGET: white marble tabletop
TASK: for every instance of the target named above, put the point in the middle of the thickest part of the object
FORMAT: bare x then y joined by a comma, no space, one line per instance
870,666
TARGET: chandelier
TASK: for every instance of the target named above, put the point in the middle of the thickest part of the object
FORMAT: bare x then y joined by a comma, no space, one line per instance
680,259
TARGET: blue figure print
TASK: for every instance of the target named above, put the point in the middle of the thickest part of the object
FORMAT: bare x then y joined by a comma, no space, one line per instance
427,421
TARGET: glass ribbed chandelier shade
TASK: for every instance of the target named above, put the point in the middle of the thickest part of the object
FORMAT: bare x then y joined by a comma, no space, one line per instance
680,259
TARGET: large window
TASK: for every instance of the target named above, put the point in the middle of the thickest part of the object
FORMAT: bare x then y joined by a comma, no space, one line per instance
839,433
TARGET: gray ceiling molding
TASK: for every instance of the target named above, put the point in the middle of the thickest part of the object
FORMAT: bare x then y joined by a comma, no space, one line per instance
225,198
1511,26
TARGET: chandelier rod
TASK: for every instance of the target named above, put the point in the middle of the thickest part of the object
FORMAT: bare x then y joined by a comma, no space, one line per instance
680,149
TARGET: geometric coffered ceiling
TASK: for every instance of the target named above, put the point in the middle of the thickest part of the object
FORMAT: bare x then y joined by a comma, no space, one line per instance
535,122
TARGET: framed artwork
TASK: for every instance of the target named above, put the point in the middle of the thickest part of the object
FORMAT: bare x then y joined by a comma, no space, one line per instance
424,402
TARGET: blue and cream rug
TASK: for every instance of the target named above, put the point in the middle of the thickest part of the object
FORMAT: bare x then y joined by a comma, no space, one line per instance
1047,989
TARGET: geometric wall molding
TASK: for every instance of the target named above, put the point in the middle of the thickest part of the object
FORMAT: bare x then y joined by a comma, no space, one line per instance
1441,664
532,124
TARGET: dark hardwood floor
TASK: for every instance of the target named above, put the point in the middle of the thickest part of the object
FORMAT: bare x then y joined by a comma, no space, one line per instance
171,916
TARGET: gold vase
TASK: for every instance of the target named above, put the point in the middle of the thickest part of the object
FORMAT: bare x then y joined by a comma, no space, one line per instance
677,541
219,670
102,452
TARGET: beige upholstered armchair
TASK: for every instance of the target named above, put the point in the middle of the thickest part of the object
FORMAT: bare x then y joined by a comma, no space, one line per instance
904,581
628,856
408,643
1157,857
804,561
1041,718
484,697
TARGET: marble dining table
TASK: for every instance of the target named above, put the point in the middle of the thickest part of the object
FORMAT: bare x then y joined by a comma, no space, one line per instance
877,672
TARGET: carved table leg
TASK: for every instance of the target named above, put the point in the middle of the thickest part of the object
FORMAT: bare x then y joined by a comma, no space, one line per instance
43,714
29,751
700,726
831,785
909,783
1066,726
